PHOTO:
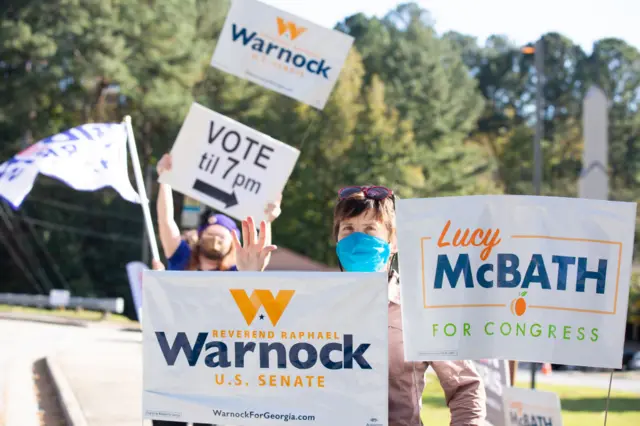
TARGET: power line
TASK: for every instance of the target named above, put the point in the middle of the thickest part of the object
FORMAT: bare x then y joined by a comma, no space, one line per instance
30,277
45,250
16,258
74,230
29,254
73,207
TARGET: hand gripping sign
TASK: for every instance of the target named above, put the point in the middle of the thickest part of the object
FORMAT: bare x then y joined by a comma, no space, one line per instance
227,165
539,279
281,52
298,348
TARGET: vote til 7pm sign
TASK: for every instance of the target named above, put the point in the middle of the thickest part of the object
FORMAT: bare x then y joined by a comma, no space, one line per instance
540,279
227,165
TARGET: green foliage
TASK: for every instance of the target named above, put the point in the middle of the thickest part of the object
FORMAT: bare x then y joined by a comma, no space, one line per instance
428,83
633,312
427,115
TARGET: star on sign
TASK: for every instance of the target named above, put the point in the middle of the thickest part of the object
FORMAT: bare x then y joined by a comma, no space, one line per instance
261,316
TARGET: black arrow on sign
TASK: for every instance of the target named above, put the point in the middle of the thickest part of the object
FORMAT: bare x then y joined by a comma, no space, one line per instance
229,200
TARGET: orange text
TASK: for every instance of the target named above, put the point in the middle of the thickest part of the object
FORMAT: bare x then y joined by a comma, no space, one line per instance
464,238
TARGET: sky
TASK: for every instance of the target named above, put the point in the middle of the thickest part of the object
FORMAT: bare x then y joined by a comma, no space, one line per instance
583,21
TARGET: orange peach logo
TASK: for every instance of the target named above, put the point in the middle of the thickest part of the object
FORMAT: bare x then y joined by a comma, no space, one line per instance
519,305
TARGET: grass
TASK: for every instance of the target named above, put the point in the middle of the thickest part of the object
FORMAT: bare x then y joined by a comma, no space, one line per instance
71,314
580,406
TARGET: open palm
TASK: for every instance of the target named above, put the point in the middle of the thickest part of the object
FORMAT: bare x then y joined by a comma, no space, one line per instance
254,254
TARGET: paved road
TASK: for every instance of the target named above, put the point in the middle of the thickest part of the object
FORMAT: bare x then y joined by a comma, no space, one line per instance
21,344
106,377
102,354
104,368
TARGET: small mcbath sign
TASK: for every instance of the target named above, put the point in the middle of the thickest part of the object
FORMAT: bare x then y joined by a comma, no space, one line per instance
511,277
227,165
528,407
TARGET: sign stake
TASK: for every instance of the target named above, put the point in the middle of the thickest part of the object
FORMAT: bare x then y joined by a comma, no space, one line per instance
606,409
142,192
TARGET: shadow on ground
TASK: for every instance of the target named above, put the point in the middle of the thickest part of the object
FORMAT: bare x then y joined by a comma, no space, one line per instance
50,409
597,405
582,404
131,329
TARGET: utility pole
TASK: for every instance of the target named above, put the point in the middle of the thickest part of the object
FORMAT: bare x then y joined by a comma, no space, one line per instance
538,58
539,135
594,178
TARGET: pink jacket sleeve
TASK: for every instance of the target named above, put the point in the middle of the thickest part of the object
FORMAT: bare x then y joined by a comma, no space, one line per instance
463,390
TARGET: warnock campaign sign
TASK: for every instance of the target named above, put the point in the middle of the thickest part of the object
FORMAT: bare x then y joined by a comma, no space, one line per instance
528,407
264,348
539,279
495,376
227,165
281,52
86,158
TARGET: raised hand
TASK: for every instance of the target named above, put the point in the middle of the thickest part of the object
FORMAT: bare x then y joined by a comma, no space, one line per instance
164,164
255,254
273,210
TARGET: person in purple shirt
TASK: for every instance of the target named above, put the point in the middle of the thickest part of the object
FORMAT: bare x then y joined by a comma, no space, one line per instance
214,250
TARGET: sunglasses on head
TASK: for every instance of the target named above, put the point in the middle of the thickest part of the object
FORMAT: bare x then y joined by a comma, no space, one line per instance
377,193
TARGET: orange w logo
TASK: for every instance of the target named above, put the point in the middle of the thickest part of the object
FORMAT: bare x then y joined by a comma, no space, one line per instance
294,31
273,306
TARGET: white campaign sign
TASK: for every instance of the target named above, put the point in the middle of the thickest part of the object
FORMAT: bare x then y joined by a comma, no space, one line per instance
265,348
227,165
134,273
495,376
528,407
281,51
540,279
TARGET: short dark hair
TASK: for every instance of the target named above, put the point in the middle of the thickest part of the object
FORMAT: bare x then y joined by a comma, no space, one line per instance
357,204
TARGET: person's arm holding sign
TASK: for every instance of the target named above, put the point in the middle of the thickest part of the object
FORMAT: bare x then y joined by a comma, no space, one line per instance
272,211
177,250
464,391
170,236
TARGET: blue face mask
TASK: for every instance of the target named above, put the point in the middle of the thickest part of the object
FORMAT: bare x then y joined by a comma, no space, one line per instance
363,253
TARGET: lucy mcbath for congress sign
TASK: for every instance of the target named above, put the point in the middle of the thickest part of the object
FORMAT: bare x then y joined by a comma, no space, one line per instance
539,279
265,348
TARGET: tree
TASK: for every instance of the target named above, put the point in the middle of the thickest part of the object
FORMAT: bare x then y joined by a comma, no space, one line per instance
428,83
426,115
615,67
356,140
324,138
60,62
384,151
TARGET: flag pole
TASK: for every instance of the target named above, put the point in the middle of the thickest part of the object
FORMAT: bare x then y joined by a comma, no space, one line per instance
142,192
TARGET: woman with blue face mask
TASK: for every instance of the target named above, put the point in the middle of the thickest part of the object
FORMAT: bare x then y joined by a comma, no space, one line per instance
365,231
